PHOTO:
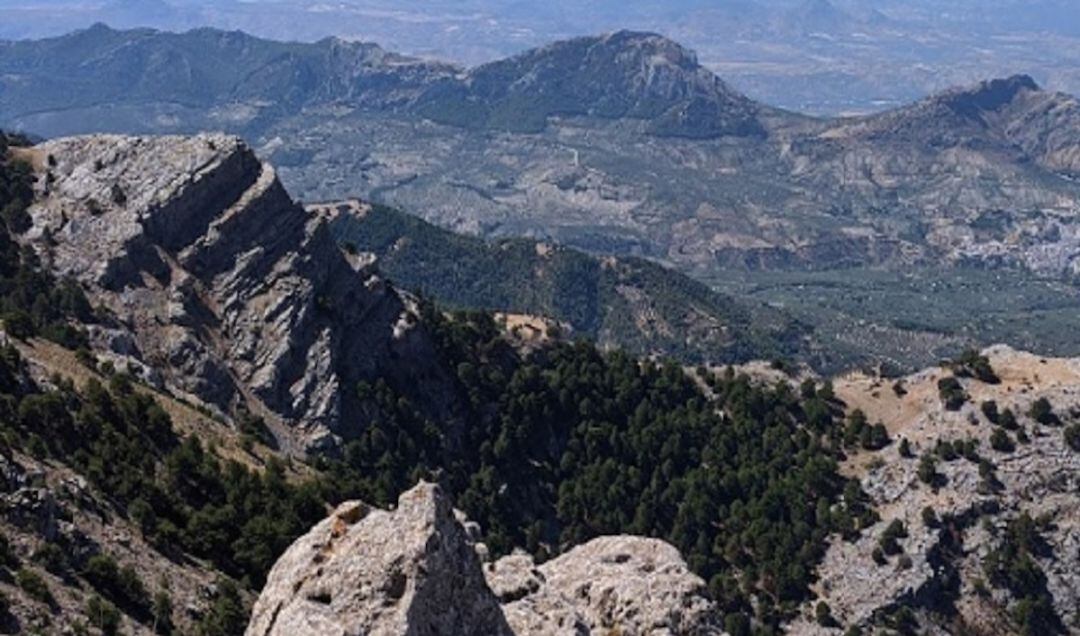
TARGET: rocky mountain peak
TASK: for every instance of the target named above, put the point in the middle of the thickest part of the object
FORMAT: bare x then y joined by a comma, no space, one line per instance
649,48
368,571
216,278
989,95
623,75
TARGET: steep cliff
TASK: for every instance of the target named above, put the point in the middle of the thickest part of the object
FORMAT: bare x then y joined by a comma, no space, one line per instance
213,277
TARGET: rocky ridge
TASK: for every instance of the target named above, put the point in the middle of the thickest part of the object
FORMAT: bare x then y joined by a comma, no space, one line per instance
416,570
940,573
218,286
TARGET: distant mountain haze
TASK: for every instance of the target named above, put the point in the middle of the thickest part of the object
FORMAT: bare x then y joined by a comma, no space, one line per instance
816,56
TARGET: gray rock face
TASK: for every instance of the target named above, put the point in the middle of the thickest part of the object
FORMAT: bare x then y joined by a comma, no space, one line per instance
238,294
944,563
618,584
365,571
415,570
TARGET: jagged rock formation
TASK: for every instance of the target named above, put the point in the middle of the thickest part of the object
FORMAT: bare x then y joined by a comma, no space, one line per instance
216,279
415,570
941,571
366,571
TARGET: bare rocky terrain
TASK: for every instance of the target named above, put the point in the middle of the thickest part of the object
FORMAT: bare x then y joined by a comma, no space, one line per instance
941,571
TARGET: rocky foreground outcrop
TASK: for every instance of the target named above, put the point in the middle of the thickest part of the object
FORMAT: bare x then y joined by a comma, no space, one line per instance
415,570
218,286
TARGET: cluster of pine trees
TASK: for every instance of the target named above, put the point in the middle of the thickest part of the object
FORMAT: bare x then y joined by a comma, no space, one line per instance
569,443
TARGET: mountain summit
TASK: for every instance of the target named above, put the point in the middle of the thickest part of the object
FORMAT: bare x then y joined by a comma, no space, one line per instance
206,78
621,75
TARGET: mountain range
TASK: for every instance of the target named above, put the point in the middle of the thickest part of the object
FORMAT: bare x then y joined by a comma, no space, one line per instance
625,145
374,422
825,57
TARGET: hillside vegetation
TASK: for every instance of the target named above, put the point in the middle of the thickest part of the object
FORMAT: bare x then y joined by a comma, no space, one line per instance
629,303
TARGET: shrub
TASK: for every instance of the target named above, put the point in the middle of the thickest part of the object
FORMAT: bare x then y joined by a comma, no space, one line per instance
1072,437
120,585
737,625
824,615
952,393
8,558
103,615
928,469
946,450
35,586
930,518
972,363
990,411
889,539
226,616
905,448
1008,420
1001,442
1043,412
52,558
19,324
163,607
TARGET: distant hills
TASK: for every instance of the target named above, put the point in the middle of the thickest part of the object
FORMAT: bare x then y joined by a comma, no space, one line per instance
619,145
624,75
617,302
817,56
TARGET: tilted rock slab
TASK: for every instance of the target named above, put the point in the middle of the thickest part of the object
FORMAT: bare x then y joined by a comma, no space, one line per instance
415,571
216,277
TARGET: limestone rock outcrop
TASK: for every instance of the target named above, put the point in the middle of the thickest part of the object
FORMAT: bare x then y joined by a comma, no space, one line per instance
215,277
369,571
617,584
942,562
415,570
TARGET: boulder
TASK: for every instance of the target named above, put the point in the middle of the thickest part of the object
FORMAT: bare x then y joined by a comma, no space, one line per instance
616,584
